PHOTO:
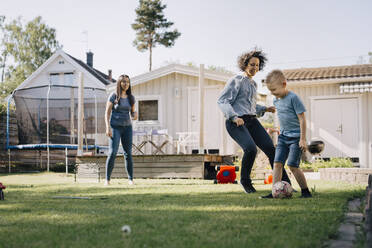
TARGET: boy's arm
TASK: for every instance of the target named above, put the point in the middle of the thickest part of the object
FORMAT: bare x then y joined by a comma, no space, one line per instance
302,120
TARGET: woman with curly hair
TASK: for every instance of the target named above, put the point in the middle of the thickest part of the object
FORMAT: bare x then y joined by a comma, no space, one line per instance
119,126
238,104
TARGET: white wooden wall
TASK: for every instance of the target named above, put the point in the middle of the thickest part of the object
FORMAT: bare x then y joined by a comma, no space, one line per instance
306,92
173,111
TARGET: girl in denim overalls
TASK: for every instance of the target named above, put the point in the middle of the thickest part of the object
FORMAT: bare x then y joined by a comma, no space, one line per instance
120,106
238,103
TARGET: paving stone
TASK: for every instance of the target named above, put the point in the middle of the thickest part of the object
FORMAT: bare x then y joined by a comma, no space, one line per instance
346,232
354,218
354,205
341,244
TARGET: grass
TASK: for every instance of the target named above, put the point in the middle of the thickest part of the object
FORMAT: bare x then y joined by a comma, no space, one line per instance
165,213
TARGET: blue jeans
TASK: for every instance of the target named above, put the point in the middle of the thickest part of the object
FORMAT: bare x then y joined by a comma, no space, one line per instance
288,148
125,134
248,137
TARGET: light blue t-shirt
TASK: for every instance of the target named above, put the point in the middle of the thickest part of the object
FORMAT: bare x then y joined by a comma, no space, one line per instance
288,108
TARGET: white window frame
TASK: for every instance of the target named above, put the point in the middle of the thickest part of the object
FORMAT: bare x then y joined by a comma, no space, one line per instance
158,98
61,79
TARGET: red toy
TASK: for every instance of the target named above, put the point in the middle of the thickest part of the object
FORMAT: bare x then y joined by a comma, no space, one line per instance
226,174
1,191
268,179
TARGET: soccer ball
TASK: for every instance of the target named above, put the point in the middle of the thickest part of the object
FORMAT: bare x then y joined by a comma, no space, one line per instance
282,190
126,229
315,147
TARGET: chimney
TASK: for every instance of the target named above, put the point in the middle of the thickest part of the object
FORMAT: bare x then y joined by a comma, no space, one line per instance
90,59
110,75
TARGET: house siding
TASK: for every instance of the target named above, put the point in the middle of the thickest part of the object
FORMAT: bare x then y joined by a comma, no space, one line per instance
365,112
173,111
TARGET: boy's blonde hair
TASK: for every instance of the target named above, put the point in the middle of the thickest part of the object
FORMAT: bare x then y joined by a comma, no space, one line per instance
275,76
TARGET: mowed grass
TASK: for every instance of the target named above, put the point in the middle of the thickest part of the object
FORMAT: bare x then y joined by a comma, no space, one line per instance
165,213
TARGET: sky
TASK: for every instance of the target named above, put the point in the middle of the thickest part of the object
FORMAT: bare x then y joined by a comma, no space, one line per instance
293,33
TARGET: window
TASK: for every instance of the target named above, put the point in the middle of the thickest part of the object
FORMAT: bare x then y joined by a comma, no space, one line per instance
54,78
68,79
148,110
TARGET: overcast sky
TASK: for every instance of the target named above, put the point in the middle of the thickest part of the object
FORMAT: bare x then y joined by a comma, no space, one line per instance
294,33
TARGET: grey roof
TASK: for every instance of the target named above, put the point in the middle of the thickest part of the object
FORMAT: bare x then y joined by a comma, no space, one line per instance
96,73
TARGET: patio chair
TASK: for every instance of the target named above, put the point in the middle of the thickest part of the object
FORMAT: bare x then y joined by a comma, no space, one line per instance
138,147
187,139
159,147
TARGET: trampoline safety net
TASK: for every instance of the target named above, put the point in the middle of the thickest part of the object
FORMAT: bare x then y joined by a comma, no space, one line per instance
32,107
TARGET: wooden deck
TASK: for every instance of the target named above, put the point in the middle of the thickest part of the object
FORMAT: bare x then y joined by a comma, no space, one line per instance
152,166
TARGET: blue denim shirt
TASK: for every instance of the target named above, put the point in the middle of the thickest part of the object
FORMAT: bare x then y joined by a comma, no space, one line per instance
239,98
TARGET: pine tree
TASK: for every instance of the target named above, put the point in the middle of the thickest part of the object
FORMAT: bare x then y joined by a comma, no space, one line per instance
152,27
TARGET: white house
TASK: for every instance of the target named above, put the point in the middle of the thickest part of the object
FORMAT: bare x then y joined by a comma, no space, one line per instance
339,108
50,95
168,98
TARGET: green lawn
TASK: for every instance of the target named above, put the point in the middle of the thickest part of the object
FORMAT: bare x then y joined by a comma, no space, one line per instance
165,213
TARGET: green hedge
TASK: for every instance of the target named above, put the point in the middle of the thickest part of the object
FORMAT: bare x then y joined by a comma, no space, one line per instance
332,163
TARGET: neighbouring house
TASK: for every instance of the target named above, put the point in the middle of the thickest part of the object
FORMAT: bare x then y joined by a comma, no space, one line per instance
54,87
339,108
168,98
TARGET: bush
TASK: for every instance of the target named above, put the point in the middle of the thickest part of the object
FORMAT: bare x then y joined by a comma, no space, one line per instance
3,108
332,163
61,167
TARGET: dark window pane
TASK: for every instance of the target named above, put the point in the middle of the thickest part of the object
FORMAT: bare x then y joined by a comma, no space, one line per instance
148,110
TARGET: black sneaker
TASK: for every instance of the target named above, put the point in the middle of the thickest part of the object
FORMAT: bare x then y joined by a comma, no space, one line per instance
248,187
269,196
306,195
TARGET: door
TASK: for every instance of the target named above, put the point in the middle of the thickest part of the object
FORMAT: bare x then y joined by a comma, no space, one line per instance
336,122
212,116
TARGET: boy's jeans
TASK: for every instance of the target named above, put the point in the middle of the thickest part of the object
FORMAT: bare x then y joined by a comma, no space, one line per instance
248,136
125,134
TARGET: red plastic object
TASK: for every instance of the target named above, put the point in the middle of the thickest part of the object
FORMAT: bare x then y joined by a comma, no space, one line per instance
226,174
268,179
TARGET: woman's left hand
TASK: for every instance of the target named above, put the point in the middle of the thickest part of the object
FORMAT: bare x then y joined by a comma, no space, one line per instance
271,109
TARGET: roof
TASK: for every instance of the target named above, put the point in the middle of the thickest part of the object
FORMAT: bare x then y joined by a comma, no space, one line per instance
96,73
333,72
101,79
182,69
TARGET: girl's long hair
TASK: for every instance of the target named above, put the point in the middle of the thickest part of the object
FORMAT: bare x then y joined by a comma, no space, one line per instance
128,92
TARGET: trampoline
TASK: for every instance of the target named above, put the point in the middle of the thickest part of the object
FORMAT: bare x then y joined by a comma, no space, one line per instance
47,114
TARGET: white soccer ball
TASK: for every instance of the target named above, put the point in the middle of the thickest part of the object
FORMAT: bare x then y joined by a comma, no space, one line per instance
282,190
126,229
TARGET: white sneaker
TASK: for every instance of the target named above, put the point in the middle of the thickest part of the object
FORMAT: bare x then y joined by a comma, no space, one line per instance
107,183
130,182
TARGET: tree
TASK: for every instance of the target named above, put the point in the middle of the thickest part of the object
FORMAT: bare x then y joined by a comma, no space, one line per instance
3,52
27,46
152,27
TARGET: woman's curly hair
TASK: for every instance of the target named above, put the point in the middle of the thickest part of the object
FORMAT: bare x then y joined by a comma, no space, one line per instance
245,57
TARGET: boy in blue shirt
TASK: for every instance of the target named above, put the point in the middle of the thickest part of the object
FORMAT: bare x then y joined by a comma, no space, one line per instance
292,138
